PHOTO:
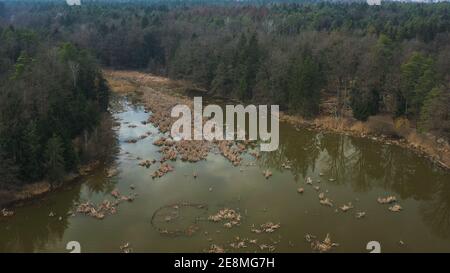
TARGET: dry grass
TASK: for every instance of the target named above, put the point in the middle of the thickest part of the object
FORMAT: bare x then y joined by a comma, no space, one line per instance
126,81
382,128
121,86
161,94
30,191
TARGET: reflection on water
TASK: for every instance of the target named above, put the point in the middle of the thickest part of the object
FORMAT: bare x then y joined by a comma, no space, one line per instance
347,169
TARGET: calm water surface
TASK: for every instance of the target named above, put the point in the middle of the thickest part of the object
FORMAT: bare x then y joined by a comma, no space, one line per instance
353,170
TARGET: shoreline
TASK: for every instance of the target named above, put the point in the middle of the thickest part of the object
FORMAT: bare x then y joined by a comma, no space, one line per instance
380,128
136,84
427,146
37,190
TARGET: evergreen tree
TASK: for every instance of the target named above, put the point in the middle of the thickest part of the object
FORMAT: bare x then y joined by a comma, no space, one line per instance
435,113
247,65
54,160
364,102
32,168
417,80
304,81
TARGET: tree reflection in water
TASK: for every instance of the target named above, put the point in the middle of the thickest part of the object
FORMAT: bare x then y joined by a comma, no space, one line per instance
15,233
365,165
436,211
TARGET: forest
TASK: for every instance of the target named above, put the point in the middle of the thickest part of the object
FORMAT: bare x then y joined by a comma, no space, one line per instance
392,59
50,93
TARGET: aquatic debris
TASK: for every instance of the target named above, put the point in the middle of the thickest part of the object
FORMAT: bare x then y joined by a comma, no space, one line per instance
387,200
115,193
268,227
360,214
132,186
346,207
317,188
271,248
238,244
112,172
105,208
216,249
326,202
146,163
309,180
229,152
51,214
267,174
194,175
131,140
255,155
331,179
129,198
162,170
160,141
132,126
191,150
395,208
169,153
143,136
126,248
286,166
309,238
300,190
232,217
7,213
323,246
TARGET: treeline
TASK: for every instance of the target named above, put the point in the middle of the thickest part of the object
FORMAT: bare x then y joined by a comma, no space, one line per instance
49,95
312,58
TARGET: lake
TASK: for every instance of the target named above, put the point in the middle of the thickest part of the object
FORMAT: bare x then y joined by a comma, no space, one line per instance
170,213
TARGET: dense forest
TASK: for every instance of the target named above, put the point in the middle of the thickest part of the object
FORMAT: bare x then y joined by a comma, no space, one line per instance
392,59
50,93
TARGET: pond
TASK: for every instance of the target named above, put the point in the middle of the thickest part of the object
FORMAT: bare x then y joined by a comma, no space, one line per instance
170,213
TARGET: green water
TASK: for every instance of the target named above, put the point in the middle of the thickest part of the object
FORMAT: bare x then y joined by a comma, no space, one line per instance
353,170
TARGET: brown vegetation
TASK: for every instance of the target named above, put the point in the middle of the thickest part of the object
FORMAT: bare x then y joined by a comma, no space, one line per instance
381,128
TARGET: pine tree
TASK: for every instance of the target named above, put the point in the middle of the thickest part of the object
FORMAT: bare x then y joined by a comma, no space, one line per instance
32,151
435,113
247,66
418,78
364,102
304,81
54,160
